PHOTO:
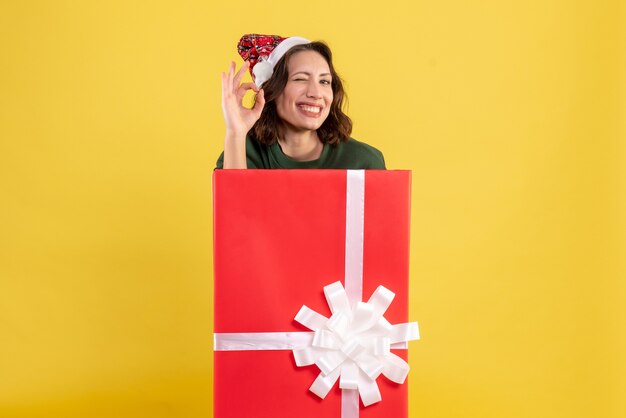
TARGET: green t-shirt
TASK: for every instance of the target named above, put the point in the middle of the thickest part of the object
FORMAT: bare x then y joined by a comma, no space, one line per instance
349,155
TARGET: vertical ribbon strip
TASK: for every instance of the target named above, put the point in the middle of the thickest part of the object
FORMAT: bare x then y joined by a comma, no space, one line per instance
355,216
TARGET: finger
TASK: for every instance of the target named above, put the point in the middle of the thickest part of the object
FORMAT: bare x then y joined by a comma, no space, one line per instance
259,102
240,74
241,91
226,91
249,86
231,70
223,85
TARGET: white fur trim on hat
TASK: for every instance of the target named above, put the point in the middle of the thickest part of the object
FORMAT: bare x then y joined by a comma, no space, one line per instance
264,69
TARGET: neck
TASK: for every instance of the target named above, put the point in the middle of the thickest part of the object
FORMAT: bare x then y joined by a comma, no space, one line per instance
300,146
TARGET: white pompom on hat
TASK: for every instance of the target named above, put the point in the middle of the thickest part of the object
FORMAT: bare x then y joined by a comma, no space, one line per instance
264,51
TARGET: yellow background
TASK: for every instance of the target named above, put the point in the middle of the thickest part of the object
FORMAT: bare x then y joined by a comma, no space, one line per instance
510,114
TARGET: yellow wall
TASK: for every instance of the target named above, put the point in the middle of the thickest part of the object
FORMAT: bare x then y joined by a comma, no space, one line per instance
510,114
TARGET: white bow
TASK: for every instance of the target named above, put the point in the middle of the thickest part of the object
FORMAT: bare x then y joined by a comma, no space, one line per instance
354,344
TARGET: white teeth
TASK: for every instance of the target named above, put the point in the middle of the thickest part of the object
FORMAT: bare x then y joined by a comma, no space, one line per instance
312,109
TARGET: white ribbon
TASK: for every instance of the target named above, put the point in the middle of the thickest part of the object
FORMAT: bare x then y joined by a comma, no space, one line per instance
353,345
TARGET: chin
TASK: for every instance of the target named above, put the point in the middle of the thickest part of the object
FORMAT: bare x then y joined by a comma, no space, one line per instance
305,124
312,127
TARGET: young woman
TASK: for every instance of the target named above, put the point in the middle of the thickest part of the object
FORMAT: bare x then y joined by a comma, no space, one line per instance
297,119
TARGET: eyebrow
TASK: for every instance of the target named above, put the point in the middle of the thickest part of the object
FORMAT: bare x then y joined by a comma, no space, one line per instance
307,73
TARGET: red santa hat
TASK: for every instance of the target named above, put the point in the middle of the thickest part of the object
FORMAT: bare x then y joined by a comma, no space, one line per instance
264,51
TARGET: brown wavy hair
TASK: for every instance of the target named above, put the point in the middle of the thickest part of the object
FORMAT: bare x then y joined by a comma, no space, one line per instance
336,128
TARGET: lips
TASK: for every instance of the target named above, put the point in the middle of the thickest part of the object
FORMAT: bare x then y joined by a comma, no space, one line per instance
310,110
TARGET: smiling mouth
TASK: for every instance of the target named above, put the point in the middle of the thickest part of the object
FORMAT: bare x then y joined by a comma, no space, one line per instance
310,109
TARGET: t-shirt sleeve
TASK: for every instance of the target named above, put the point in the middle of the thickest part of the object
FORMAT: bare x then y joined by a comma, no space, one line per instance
365,156
220,162
378,161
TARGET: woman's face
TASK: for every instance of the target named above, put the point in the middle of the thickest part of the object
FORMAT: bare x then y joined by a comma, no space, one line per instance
305,101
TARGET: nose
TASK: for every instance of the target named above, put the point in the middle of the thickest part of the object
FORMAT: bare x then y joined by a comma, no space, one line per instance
313,90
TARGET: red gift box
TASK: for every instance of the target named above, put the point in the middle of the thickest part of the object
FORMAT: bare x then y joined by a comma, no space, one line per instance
279,238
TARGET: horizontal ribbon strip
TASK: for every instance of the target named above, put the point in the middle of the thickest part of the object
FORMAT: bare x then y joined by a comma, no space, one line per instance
250,341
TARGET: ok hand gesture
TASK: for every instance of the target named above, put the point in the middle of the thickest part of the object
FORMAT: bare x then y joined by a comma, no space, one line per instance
239,119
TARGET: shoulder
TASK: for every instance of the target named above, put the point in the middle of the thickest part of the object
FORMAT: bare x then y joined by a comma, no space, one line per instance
367,156
361,147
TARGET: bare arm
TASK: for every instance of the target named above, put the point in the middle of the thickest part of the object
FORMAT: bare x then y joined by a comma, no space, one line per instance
239,119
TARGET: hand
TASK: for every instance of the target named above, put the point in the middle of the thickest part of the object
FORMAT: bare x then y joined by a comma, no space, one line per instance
239,119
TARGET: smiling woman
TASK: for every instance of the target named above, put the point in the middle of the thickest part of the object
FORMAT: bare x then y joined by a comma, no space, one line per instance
297,119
